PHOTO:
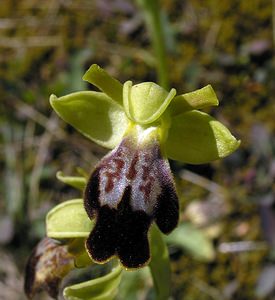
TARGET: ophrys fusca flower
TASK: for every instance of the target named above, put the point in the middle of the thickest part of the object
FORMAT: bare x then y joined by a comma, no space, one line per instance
132,186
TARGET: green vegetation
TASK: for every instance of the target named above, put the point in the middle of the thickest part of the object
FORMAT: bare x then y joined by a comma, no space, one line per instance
46,48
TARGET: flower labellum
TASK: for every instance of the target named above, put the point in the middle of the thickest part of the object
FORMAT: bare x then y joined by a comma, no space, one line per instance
132,186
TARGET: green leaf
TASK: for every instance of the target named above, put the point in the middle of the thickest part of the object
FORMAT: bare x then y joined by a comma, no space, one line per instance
74,181
94,114
133,283
145,102
198,99
195,137
68,220
160,265
193,240
106,83
101,288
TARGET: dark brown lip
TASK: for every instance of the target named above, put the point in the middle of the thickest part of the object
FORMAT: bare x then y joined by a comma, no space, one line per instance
139,185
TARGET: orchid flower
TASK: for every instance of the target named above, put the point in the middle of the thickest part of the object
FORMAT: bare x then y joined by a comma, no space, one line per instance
132,186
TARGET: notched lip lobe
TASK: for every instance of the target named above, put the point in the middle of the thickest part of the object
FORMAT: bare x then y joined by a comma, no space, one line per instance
115,256
101,262
127,264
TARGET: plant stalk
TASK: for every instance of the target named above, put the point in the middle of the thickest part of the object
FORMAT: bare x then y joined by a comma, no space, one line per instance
153,20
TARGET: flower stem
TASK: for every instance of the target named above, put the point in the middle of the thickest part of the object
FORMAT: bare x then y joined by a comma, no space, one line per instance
160,265
153,19
273,22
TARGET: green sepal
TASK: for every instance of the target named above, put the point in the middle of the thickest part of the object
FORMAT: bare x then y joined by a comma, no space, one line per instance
77,182
195,137
102,288
94,114
160,264
106,83
144,103
193,240
68,220
197,99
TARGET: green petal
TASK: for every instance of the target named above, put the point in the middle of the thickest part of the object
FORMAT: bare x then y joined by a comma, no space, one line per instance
77,182
145,102
94,114
198,99
195,137
102,288
106,83
68,220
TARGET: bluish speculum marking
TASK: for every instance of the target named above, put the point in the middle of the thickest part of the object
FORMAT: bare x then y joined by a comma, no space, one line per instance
133,164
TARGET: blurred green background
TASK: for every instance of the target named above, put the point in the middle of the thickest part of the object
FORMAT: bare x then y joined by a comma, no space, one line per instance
227,250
